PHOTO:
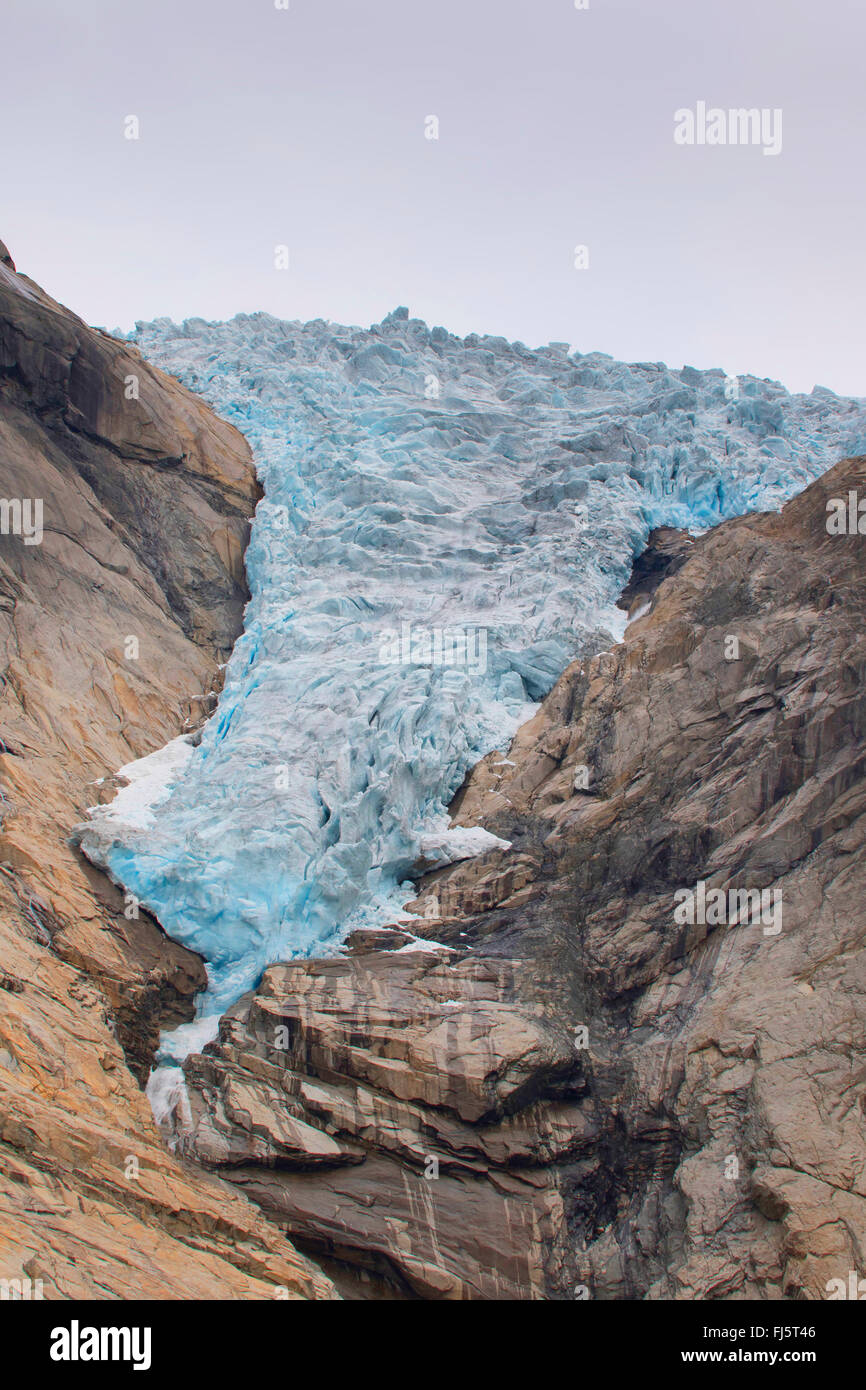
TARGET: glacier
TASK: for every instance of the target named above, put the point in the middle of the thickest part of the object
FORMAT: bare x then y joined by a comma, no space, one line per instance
422,492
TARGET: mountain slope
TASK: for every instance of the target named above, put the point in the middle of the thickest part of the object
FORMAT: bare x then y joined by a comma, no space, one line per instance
146,504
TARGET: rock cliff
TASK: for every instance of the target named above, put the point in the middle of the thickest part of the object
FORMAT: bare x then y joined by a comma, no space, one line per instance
557,1084
113,625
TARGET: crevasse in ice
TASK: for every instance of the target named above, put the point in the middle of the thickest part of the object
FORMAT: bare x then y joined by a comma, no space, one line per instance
446,523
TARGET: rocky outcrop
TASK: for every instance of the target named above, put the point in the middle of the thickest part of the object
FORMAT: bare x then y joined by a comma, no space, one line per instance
566,1081
392,1110
113,624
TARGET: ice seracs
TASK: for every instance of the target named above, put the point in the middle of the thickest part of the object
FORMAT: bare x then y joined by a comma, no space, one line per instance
509,503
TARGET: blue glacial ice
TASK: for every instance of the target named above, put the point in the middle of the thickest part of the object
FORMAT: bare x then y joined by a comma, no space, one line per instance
447,522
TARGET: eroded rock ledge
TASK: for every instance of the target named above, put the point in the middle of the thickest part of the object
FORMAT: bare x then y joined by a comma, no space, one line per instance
707,1142
146,500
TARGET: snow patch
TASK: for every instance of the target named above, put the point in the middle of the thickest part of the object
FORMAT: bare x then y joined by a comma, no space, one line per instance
149,783
459,842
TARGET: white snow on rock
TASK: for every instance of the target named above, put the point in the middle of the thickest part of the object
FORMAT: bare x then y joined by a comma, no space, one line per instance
149,781
446,846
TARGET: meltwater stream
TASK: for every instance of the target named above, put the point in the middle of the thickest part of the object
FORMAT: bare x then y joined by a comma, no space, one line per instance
446,523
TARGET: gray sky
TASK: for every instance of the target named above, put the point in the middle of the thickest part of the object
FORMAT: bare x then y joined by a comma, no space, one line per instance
306,127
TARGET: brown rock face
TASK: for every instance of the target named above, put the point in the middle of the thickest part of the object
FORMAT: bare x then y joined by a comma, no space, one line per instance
365,1103
596,1081
113,622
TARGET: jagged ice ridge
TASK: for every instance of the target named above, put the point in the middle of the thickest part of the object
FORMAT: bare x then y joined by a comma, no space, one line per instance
460,486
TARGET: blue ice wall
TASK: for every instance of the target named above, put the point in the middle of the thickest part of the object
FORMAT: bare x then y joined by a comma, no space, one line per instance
426,497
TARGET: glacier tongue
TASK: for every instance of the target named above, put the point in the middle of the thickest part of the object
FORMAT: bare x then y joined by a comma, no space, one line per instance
447,522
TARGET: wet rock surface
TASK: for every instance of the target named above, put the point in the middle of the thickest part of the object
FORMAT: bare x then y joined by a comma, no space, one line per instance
666,551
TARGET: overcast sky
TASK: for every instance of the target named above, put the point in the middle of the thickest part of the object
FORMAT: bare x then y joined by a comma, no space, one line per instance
306,127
